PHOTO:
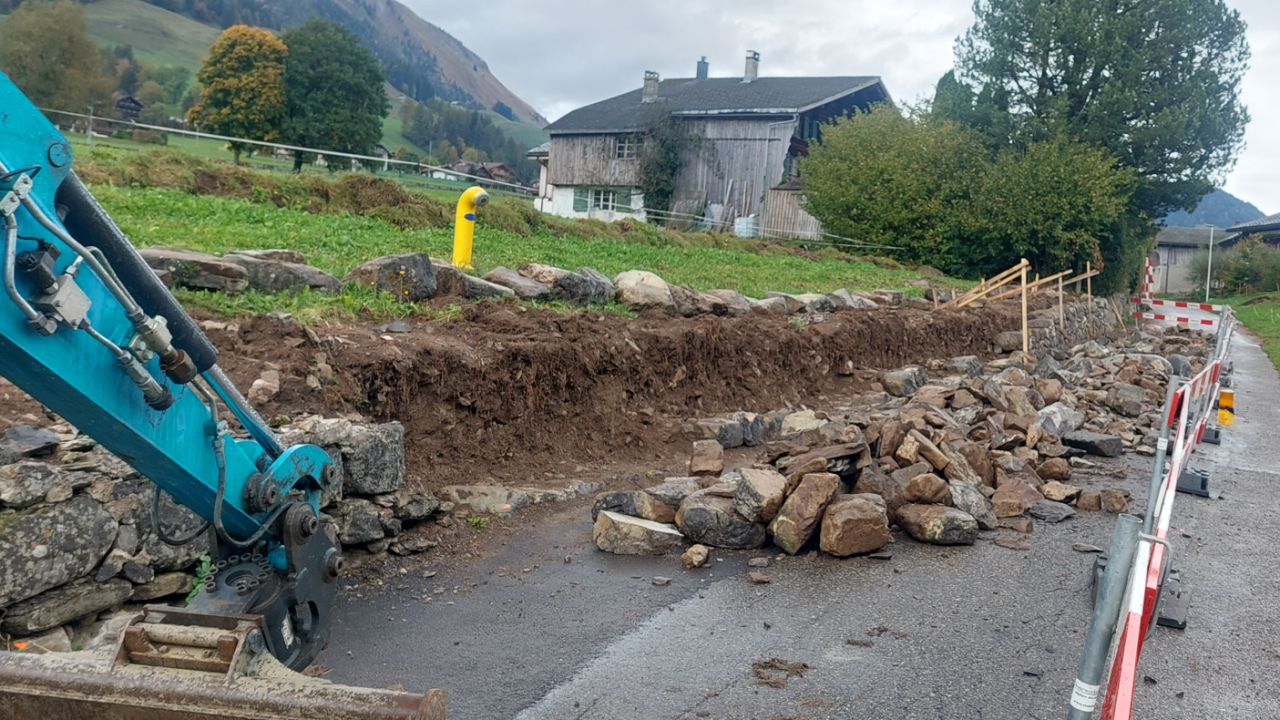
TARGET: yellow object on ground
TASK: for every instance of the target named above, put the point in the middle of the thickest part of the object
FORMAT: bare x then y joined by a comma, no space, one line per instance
464,228
1227,408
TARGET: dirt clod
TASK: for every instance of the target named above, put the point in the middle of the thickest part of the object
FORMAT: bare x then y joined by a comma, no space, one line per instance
777,673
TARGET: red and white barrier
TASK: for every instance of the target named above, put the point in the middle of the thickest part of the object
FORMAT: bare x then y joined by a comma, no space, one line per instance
1149,562
1174,318
1178,304
1148,280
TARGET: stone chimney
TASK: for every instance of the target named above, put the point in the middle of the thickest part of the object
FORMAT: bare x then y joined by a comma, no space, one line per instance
753,66
703,66
650,93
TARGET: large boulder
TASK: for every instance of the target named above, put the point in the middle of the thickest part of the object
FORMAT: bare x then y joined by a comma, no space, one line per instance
452,282
800,514
410,277
1094,443
358,520
271,275
736,304
969,499
584,287
1014,498
635,503
710,519
1126,399
623,535
1058,419
854,524
24,441
927,489
26,483
674,490
759,494
64,604
639,290
523,287
904,381
49,545
873,480
197,271
691,302
938,524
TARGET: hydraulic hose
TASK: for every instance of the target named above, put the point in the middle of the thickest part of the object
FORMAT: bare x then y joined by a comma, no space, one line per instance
34,316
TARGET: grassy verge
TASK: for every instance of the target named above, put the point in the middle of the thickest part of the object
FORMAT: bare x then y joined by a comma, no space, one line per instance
337,243
1261,315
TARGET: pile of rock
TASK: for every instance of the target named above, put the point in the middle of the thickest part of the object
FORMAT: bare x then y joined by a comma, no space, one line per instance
76,535
943,452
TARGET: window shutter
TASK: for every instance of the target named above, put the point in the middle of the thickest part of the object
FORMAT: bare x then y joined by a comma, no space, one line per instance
580,199
624,199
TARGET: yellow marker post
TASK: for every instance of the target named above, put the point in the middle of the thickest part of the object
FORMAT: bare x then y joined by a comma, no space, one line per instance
1227,408
464,227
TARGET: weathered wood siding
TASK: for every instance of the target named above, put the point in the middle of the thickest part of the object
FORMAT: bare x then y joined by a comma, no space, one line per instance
590,160
784,218
739,159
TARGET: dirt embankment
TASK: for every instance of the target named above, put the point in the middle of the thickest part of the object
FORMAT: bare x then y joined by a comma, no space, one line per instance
506,392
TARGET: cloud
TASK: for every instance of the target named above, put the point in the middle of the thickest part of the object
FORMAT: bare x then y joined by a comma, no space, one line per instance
562,54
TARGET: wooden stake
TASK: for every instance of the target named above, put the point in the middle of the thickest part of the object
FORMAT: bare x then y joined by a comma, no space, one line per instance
1088,268
1026,348
1062,315
1119,317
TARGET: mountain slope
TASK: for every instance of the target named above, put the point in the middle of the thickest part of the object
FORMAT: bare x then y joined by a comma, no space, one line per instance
419,59
1219,208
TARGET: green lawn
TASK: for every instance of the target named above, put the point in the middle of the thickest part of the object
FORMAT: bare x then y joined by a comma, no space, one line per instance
1261,315
337,243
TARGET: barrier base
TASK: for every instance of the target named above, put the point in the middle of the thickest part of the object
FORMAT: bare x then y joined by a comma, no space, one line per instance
1212,435
1174,604
1195,482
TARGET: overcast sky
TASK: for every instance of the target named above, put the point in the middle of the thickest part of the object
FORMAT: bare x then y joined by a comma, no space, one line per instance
561,54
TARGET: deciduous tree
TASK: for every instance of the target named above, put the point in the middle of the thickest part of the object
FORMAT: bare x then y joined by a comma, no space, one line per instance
46,51
244,92
336,99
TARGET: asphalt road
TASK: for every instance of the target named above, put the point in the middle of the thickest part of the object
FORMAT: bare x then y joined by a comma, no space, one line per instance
966,632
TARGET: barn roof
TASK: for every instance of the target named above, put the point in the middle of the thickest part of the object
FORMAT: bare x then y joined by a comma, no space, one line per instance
1270,222
715,96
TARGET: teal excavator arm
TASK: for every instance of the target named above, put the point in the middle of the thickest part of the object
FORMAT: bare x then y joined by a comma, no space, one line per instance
87,329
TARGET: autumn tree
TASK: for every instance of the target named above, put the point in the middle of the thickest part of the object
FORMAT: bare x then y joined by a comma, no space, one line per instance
244,93
46,51
335,91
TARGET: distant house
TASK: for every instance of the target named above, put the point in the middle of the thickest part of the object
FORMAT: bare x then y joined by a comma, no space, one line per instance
1268,228
752,130
129,107
1175,247
489,171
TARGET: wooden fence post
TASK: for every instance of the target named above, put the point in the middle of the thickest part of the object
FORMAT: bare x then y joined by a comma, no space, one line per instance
1026,345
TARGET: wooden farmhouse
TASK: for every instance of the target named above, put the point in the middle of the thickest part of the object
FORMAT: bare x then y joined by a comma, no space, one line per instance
747,134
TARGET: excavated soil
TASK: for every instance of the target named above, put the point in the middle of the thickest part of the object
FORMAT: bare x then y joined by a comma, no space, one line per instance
508,393
514,394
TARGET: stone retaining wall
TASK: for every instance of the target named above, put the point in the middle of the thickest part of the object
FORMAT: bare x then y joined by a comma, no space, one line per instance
76,535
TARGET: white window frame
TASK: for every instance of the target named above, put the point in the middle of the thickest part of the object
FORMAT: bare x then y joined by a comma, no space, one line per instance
628,147
603,199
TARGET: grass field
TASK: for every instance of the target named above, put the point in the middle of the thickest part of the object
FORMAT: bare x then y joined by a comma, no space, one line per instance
337,243
158,36
1261,315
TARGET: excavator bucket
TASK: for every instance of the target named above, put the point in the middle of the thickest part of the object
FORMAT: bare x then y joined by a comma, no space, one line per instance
161,671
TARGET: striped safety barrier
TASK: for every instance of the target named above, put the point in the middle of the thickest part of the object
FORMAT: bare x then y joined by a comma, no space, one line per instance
1187,414
1174,318
1178,304
1148,279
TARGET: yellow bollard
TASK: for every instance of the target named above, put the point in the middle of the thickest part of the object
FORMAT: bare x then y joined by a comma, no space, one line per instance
464,228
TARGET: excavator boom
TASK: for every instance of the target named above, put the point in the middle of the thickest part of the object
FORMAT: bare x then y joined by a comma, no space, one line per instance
87,329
